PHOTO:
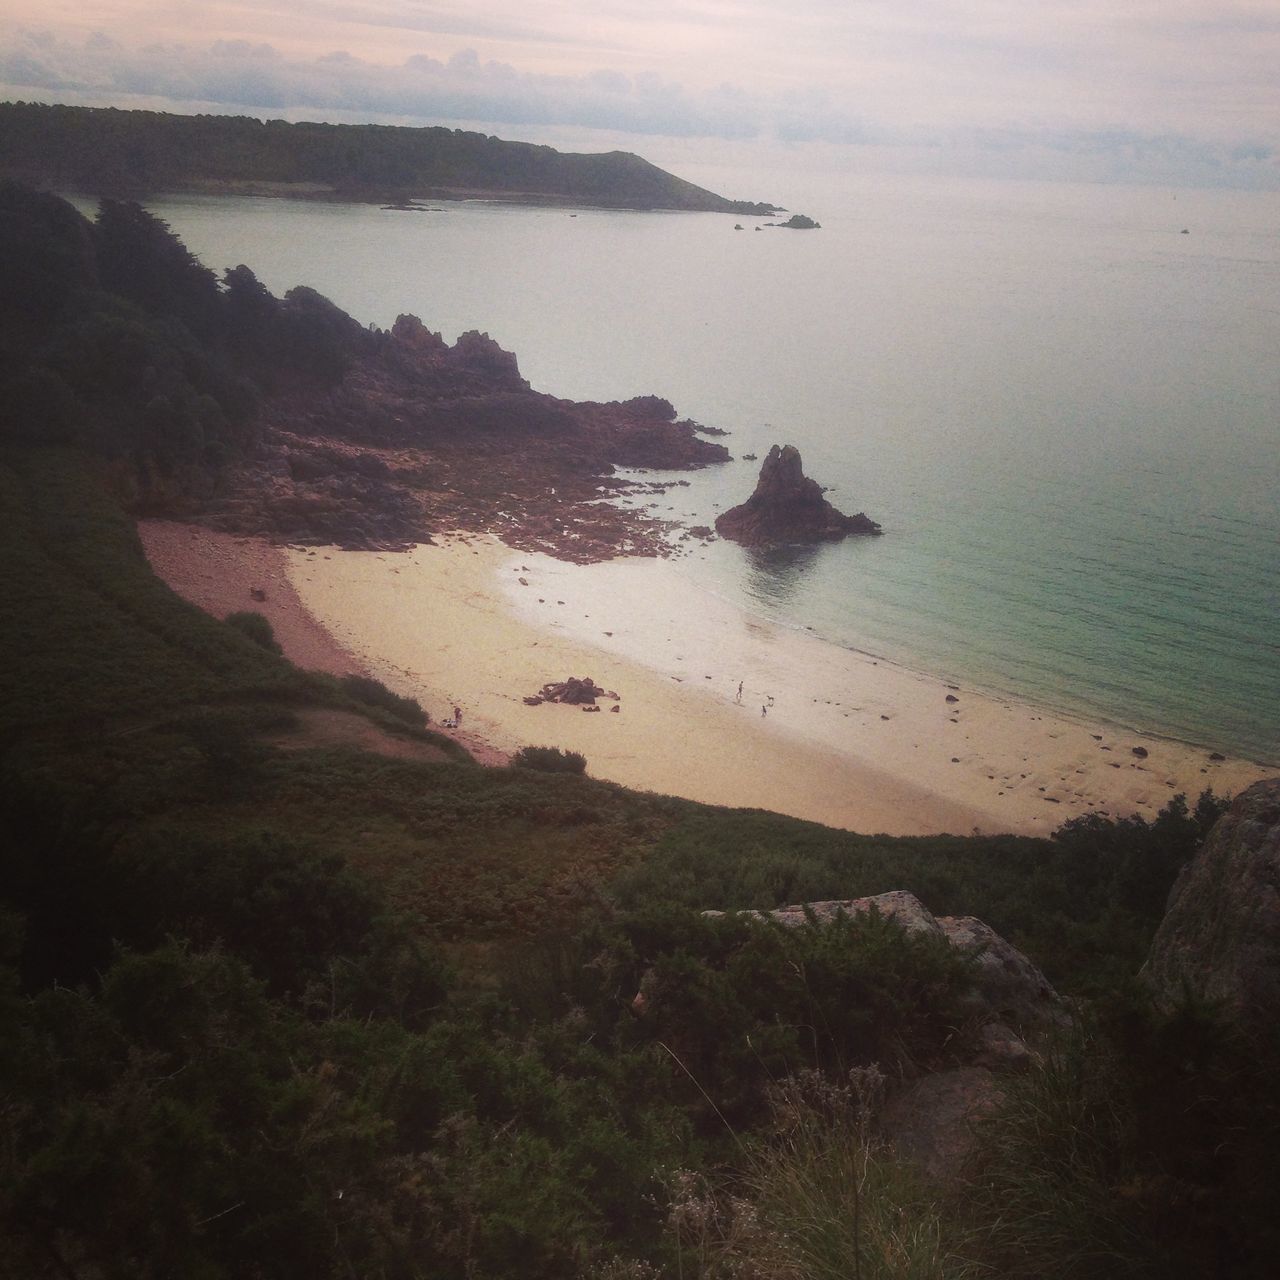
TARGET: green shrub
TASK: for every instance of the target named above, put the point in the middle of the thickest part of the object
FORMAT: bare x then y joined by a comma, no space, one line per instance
549,760
256,627
374,693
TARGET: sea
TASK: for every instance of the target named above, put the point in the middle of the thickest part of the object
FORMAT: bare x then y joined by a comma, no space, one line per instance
1062,402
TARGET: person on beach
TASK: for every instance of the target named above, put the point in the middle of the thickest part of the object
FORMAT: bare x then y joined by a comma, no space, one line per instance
738,699
764,711
457,716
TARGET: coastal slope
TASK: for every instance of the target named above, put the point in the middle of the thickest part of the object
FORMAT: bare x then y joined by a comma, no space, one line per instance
112,152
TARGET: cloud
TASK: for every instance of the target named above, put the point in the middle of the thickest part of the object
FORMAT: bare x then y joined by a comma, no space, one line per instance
255,76
1000,89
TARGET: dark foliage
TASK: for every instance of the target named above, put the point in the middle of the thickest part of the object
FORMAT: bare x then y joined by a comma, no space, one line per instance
112,152
1145,1146
256,627
376,694
1085,905
549,760
118,340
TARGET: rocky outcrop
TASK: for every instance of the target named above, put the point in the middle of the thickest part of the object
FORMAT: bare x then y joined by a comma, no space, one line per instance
1007,984
1220,937
934,1120
788,507
797,222
574,691
1008,990
419,436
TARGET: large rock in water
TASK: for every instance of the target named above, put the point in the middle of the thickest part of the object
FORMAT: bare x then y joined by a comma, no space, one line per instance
1220,937
788,507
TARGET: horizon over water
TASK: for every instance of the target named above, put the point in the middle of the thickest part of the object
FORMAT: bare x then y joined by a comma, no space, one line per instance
1064,410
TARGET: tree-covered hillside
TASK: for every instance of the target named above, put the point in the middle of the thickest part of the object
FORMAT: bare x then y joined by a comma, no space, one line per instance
111,152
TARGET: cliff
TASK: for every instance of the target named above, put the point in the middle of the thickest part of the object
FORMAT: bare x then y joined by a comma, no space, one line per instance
1220,938
787,507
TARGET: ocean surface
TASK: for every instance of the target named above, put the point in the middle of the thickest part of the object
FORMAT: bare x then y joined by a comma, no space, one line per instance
1062,403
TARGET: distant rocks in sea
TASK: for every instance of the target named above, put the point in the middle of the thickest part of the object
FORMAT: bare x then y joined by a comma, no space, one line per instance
788,507
797,222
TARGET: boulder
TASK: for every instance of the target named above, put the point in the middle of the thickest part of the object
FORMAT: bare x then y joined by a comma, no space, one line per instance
575,692
788,507
1008,986
933,1122
1220,937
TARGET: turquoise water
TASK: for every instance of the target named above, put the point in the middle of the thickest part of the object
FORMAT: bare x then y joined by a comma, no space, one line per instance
1064,411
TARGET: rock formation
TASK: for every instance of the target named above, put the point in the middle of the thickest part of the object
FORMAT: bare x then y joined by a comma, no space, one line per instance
933,1120
573,691
788,507
1220,938
1007,988
418,436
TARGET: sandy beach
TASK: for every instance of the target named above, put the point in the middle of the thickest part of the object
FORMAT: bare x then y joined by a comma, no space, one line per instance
821,732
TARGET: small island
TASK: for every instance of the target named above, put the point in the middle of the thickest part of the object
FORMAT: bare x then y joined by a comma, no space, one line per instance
797,222
788,507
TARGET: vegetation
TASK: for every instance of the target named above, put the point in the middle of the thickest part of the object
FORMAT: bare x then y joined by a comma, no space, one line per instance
111,152
376,694
550,760
256,627
270,1010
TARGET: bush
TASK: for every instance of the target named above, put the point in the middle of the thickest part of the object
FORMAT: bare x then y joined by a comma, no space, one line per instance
257,628
549,760
374,693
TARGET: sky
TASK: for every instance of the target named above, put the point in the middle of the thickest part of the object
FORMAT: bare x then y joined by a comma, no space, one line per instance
1185,92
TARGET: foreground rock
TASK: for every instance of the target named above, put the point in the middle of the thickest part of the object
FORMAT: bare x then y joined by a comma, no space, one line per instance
1220,938
788,507
934,1120
1008,991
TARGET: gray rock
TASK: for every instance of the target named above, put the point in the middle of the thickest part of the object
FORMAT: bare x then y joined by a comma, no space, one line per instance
1008,985
1001,1048
898,905
1220,937
1008,988
934,1121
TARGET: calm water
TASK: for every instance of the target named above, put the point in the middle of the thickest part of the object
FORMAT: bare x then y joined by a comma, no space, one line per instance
1064,411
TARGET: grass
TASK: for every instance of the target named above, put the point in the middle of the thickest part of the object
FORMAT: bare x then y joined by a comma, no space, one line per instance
819,1198
1049,1196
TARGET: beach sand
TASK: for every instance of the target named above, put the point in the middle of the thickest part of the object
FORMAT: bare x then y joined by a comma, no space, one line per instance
821,733
219,573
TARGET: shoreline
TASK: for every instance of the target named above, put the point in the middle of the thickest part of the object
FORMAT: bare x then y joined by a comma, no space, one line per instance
824,732
850,739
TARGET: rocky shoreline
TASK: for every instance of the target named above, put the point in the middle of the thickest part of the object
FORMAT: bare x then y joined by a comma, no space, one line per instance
420,438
